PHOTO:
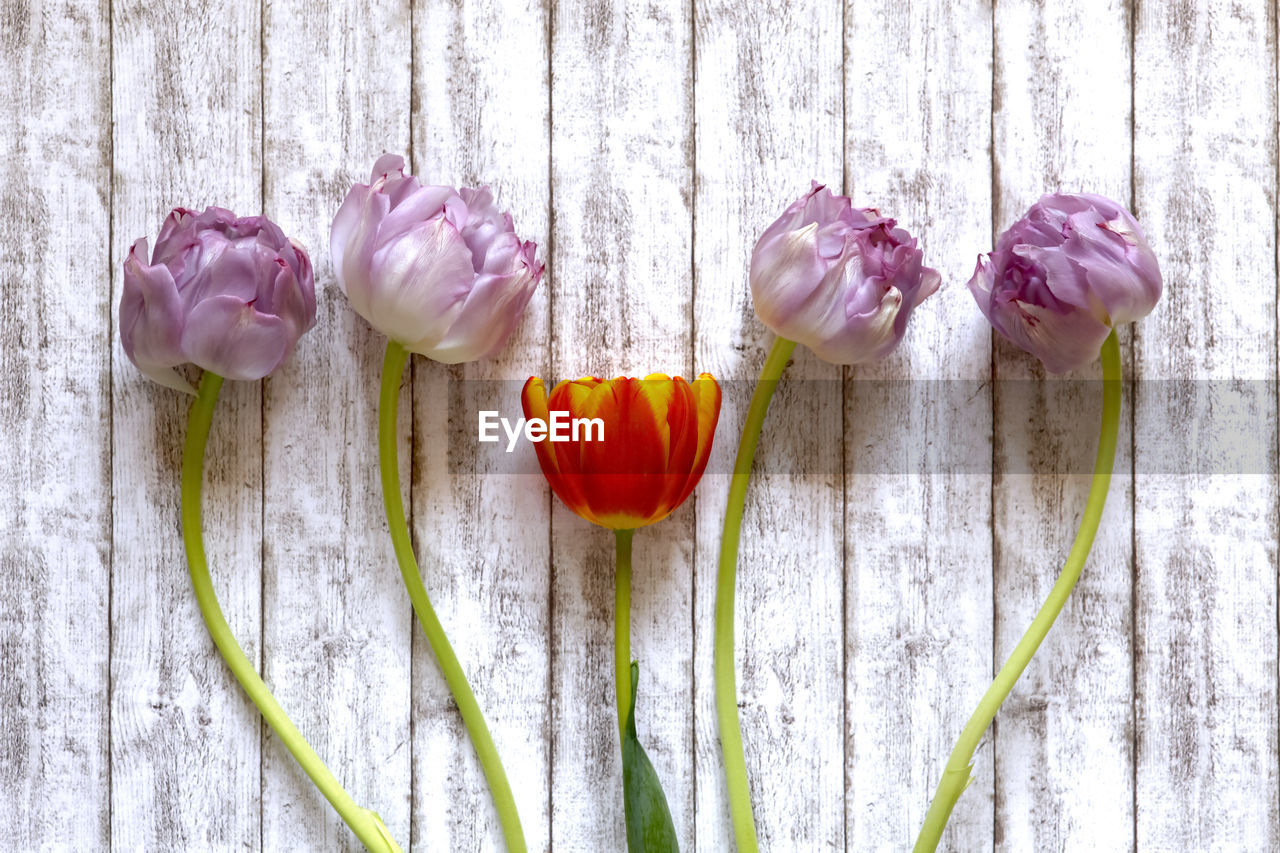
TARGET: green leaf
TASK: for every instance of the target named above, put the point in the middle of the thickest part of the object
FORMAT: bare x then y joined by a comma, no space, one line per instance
649,826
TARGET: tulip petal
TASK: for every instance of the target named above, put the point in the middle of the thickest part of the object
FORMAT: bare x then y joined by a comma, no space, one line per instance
930,281
171,227
360,215
288,301
347,223
706,396
421,282
572,397
785,273
168,377
304,280
624,474
487,318
656,393
865,336
533,400
227,336
151,317
417,206
682,425
557,466
1119,269
1063,341
981,284
246,273
385,166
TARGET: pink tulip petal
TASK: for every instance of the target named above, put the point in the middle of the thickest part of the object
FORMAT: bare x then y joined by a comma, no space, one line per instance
785,274
865,336
227,336
422,281
1064,342
420,204
487,319
346,222
1118,267
151,315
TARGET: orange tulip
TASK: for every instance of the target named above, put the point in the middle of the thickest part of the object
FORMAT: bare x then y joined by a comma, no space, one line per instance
657,434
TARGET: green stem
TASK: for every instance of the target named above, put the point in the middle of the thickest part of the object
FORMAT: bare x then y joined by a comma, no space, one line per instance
956,776
735,763
367,826
392,369
622,627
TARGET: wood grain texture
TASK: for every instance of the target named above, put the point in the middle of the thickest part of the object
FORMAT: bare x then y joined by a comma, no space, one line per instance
184,738
1205,536
1064,738
481,527
645,146
918,428
336,620
768,122
621,242
55,460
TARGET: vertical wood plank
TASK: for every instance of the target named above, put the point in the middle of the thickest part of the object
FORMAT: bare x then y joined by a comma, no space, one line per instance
337,626
185,739
1205,534
769,114
482,529
918,427
622,160
55,356
1064,755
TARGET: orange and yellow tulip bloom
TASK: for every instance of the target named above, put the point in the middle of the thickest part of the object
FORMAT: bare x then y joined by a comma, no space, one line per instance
657,434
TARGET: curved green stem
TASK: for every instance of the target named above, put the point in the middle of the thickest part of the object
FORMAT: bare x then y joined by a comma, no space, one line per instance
367,826
392,368
956,776
622,627
735,763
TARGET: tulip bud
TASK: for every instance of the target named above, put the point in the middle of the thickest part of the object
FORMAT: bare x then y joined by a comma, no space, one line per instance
1063,276
439,271
843,282
230,295
656,441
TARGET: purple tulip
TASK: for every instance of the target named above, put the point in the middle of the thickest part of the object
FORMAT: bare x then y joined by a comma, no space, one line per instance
1063,276
843,282
439,271
230,295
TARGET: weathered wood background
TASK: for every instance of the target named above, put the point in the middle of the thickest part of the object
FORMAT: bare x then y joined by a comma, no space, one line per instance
643,146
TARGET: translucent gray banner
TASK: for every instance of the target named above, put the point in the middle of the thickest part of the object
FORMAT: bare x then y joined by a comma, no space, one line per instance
821,428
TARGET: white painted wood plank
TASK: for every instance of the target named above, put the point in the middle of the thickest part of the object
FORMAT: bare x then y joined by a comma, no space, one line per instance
55,508
185,743
918,428
482,531
769,119
622,168
336,622
1205,594
184,738
1063,745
